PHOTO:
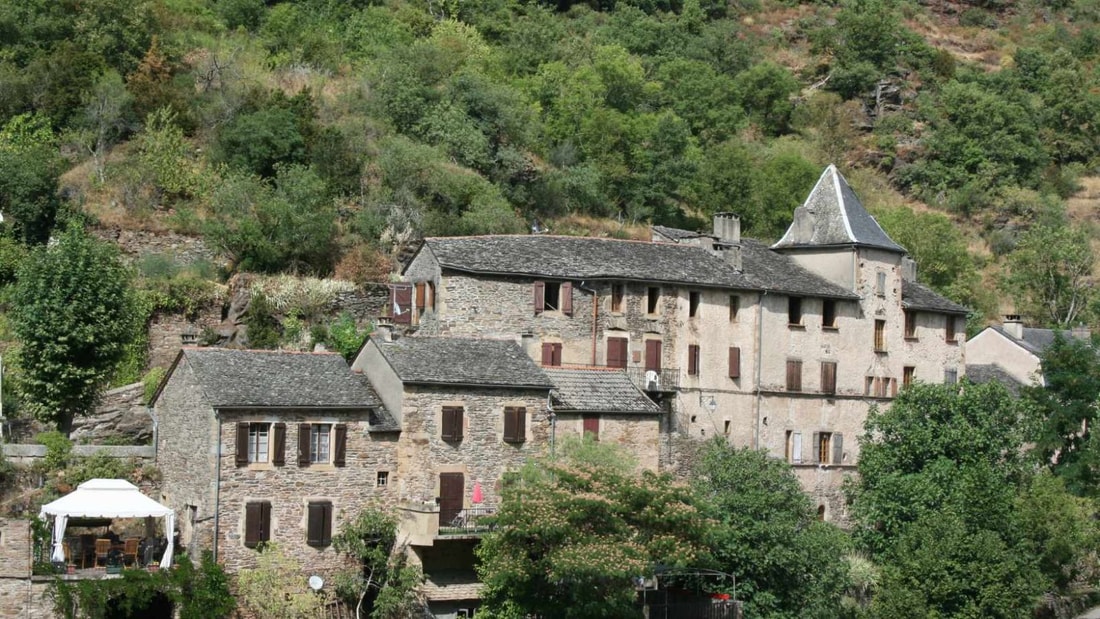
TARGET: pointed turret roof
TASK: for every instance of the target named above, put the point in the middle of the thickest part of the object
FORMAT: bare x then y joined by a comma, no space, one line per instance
832,215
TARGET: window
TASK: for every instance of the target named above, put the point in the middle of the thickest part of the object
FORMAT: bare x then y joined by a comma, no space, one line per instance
950,376
735,362
794,375
794,311
515,424
828,377
910,325
907,374
881,386
452,423
828,314
258,442
693,359
880,284
261,442
693,304
880,336
726,427
319,524
425,297
257,523
828,448
322,443
617,298
616,352
383,479
592,426
735,306
551,354
794,447
950,330
653,356
554,296
320,435
653,298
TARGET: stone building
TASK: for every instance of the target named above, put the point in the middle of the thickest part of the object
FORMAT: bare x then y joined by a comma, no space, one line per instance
260,446
1012,353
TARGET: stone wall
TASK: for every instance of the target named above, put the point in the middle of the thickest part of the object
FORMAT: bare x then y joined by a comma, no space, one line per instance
15,548
121,417
20,597
26,455
183,249
637,435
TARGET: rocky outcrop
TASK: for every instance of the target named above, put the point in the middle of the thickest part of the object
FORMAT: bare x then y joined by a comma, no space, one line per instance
120,419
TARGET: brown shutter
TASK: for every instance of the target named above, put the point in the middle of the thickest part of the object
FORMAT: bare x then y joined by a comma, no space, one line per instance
447,431
457,422
521,424
403,296
319,524
303,444
547,354
616,352
515,424
653,355
452,493
540,297
265,521
421,297
735,362
893,387
242,443
326,525
828,377
278,458
592,426
339,455
567,298
509,424
693,360
430,302
257,523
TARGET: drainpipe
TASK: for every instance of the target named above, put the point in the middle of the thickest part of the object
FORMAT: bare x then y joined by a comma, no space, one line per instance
217,484
759,363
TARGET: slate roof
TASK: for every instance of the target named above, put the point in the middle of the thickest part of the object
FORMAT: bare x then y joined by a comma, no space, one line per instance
985,373
580,258
462,361
258,378
916,296
584,390
677,234
1037,340
832,215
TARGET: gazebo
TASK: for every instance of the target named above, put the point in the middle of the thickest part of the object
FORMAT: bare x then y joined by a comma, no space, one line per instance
106,498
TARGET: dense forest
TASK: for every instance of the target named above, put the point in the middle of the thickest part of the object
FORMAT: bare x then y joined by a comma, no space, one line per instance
321,137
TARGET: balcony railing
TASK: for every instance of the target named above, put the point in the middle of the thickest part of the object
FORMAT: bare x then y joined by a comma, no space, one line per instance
665,379
469,521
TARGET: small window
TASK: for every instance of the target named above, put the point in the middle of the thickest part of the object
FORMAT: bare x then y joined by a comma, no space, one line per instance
383,479
592,426
319,524
880,336
828,314
828,448
880,284
257,523
452,423
617,298
881,386
693,304
950,376
258,434
950,330
794,375
828,377
907,374
910,325
821,513
322,443
794,311
794,447
551,354
693,359
653,298
735,306
553,296
726,427
319,442
515,424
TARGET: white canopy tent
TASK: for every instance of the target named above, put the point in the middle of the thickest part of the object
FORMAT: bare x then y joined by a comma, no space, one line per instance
106,498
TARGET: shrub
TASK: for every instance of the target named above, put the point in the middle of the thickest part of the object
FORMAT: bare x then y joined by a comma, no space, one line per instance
262,327
58,449
151,381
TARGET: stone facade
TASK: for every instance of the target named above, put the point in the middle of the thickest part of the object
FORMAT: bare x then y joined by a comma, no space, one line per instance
21,596
637,435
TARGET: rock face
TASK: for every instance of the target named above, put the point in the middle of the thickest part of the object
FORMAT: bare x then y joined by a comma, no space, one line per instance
120,419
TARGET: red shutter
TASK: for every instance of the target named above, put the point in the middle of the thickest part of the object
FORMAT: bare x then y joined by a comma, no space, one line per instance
567,298
303,444
592,426
403,294
278,458
547,355
242,443
616,352
735,362
653,355
540,297
339,454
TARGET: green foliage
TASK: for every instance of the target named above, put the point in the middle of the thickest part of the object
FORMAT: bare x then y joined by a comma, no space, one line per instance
99,465
263,327
1050,275
768,535
164,155
382,581
345,337
74,311
275,589
58,449
29,170
765,92
938,247
256,142
573,534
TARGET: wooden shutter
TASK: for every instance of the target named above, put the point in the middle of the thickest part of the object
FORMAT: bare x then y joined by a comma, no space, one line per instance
540,297
452,423
828,377
339,454
421,297
735,362
616,352
319,524
592,426
566,300
452,490
509,424
303,444
653,355
401,300
893,387
816,447
796,447
521,424
257,523
547,354
693,359
794,375
278,458
838,448
515,424
242,443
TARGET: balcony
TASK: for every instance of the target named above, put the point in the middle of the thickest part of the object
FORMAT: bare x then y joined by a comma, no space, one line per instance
422,524
469,521
663,380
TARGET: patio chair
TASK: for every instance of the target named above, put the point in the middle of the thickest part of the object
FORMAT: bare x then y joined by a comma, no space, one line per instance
102,549
130,550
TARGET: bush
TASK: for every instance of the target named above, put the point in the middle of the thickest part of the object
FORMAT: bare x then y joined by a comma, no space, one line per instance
150,382
345,337
58,449
262,327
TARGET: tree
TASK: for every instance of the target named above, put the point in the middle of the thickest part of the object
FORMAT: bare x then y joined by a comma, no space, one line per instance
787,563
73,310
573,534
382,583
105,118
276,588
29,169
1050,275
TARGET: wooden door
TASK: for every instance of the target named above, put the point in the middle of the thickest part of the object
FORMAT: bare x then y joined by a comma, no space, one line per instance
452,488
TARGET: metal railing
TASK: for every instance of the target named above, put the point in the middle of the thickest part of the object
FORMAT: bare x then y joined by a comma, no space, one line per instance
469,521
664,379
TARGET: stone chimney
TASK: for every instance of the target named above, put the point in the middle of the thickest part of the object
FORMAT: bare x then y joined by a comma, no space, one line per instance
383,326
530,345
908,269
727,229
1014,326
